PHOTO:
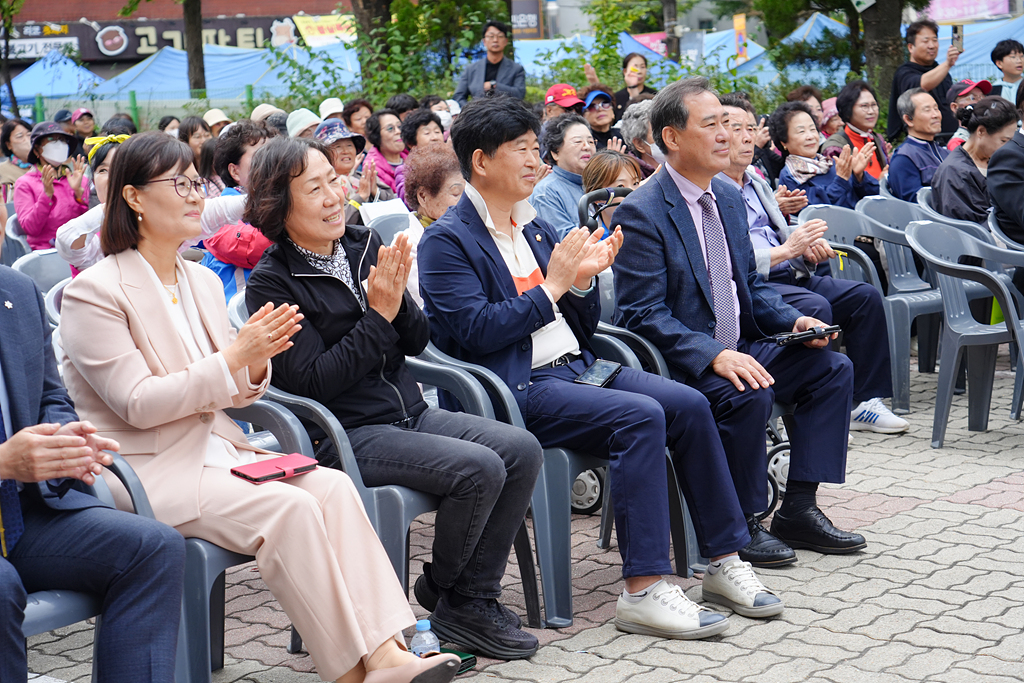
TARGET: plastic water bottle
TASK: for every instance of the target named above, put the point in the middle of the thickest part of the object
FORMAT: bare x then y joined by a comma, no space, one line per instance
424,640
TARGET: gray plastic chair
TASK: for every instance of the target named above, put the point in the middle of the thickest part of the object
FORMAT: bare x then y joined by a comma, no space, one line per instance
52,300
202,649
911,299
14,231
45,267
943,247
994,226
929,213
389,226
53,609
883,185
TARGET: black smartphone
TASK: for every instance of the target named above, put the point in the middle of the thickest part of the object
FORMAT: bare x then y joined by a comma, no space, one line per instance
958,37
599,373
788,338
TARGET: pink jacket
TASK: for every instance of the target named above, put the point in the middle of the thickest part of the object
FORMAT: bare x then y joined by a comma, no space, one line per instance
385,173
39,215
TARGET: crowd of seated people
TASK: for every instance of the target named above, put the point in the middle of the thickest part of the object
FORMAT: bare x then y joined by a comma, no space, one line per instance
707,255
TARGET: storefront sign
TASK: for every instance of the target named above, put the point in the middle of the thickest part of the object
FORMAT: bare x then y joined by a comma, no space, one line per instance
527,19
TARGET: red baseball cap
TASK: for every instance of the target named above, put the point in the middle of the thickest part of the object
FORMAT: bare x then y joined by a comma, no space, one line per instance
961,88
562,94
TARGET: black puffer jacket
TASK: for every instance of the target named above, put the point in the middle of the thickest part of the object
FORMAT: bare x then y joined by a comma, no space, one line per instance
350,361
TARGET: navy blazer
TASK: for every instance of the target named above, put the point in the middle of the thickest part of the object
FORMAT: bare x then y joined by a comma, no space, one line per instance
34,390
475,312
511,80
1005,182
662,290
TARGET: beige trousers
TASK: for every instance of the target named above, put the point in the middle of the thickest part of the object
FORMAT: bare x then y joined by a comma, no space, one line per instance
317,553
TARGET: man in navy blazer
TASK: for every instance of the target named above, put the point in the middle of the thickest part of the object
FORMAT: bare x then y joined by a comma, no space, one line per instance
56,537
686,279
500,290
494,73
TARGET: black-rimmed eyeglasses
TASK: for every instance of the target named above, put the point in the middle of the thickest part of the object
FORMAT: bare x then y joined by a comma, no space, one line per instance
183,185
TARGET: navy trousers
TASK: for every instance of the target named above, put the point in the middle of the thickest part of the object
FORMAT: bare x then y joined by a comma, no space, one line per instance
630,422
857,308
138,566
818,383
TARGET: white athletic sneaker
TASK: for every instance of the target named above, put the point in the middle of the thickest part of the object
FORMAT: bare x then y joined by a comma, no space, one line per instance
666,612
737,587
873,416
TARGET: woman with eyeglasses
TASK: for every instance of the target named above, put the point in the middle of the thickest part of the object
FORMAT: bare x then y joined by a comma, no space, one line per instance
151,358
858,108
384,132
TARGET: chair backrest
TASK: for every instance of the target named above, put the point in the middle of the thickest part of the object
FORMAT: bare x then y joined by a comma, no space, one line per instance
53,300
45,266
993,225
13,226
883,185
924,199
390,225
928,213
238,313
606,286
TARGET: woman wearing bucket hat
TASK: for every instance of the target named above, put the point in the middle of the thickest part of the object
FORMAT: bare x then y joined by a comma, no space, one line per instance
345,147
55,191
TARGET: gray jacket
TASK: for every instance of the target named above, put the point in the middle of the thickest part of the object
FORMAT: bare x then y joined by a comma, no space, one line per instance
511,79
762,257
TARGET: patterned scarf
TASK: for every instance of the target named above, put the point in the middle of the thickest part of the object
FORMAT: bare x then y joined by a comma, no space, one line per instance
336,265
803,169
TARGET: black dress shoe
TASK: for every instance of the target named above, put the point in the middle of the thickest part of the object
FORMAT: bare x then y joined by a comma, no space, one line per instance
427,593
810,528
764,550
481,626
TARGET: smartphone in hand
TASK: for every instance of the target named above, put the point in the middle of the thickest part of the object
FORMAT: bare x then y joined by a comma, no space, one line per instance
958,37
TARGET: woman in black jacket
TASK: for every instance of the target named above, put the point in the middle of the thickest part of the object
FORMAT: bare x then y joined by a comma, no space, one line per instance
360,324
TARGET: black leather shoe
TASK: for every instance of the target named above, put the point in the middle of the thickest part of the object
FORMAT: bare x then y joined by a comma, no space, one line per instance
764,550
427,593
810,528
481,626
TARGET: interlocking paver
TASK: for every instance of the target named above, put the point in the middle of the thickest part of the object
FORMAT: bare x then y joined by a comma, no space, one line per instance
937,596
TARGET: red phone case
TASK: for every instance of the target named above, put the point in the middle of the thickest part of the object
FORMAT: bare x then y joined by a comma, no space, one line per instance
275,469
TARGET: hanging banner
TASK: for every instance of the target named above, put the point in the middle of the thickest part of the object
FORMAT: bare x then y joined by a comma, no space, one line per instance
326,30
739,25
953,11
527,19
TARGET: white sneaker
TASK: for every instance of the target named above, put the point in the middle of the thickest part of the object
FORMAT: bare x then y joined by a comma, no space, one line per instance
737,587
666,612
873,416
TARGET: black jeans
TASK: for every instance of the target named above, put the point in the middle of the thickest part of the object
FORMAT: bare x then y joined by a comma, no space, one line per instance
484,472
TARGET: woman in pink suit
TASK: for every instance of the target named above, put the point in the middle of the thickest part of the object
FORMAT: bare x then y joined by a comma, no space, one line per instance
152,361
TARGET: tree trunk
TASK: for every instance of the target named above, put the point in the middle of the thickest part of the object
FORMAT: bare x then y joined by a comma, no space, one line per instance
370,14
883,44
856,40
5,69
194,44
668,8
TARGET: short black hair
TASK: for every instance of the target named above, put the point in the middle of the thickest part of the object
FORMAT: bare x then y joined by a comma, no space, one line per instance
274,166
1005,48
848,96
231,145
401,103
669,108
918,26
803,93
429,101
414,121
166,121
739,101
7,131
501,26
352,107
118,125
373,125
991,113
778,123
628,58
554,133
190,125
278,120
487,123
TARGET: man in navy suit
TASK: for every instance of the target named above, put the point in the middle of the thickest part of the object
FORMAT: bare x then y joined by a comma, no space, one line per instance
500,290
686,279
53,536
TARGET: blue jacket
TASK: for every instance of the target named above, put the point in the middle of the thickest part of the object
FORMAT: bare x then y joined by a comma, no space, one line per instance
662,289
831,189
913,166
475,312
34,389
557,199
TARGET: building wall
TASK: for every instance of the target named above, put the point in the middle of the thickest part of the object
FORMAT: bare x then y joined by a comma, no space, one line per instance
106,10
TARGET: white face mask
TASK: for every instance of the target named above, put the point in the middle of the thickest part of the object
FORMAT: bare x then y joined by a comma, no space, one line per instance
172,133
446,119
657,154
55,151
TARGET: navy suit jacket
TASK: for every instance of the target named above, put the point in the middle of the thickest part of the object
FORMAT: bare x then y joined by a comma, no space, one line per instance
34,389
1005,183
475,312
662,290
511,80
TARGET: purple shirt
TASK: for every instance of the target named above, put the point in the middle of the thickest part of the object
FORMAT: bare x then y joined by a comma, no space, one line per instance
691,194
762,233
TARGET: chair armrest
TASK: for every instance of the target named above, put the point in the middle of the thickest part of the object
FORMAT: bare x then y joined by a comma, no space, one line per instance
857,256
503,402
458,382
279,421
642,348
610,348
123,471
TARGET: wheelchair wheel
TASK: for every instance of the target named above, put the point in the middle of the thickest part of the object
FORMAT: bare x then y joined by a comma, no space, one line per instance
773,498
587,493
778,465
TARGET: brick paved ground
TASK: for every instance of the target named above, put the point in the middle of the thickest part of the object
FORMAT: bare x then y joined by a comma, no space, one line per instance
937,596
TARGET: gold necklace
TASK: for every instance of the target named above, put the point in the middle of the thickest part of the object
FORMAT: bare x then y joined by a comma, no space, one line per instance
170,290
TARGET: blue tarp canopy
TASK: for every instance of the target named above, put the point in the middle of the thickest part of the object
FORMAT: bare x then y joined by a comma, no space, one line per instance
817,27
51,76
164,75
976,61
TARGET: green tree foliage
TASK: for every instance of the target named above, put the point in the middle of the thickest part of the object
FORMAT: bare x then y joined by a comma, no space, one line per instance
8,10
